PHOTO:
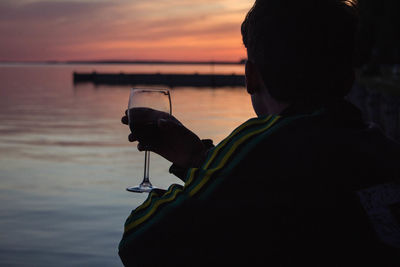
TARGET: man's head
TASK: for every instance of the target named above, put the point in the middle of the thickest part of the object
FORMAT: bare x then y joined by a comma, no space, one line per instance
303,50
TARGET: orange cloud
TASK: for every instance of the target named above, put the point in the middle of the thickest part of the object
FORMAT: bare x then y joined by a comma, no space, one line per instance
158,29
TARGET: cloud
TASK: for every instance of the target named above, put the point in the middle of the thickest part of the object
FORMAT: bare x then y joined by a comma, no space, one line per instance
12,10
72,29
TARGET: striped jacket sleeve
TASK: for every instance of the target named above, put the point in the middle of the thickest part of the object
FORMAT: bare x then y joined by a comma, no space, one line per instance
199,183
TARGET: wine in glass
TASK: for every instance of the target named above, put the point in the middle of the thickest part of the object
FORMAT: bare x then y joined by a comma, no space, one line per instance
157,99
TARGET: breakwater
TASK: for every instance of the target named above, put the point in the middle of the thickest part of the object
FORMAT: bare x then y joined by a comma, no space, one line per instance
170,80
378,99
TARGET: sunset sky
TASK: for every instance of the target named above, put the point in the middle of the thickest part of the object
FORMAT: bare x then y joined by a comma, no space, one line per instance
33,30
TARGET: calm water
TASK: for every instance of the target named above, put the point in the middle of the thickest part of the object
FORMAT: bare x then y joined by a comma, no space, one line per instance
65,160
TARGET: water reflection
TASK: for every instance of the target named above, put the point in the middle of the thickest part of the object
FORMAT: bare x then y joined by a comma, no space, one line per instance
65,162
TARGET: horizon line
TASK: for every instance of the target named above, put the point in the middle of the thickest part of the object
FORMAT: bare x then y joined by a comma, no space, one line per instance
117,61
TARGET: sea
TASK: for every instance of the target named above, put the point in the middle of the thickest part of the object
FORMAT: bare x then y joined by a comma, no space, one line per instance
65,159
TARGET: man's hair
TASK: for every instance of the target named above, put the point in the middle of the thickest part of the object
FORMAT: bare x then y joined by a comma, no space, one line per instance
304,49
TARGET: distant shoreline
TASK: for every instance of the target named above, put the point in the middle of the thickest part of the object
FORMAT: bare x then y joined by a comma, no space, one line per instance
126,62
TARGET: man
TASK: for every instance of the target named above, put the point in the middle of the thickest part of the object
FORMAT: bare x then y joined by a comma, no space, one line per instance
306,182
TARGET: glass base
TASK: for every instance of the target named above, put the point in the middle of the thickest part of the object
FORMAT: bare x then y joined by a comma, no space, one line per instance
145,187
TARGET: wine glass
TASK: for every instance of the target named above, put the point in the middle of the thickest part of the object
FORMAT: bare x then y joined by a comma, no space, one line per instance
157,99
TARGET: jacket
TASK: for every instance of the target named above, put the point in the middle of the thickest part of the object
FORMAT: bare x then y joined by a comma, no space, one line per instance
281,191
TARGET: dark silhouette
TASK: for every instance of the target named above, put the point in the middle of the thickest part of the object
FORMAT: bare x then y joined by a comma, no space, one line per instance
170,80
307,182
379,38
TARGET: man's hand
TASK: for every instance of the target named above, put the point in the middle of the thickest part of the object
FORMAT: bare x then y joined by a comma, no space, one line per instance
163,134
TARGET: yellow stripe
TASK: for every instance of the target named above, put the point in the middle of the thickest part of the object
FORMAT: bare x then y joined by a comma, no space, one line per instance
144,205
148,201
191,176
156,205
192,172
230,137
226,157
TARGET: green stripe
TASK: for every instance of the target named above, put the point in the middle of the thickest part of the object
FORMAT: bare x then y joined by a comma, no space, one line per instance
149,199
238,130
206,175
246,136
154,203
250,146
238,136
132,229
138,218
216,150
253,142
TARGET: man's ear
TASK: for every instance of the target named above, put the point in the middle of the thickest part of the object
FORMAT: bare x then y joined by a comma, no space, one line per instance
253,78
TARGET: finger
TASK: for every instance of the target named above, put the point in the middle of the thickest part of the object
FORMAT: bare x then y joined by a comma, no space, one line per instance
125,120
140,147
132,138
143,147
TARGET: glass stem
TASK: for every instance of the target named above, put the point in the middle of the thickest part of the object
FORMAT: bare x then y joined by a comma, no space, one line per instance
146,167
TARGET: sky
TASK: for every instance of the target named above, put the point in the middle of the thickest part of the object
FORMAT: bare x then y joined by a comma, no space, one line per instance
41,30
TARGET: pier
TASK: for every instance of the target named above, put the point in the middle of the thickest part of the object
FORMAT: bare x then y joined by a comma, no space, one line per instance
170,80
